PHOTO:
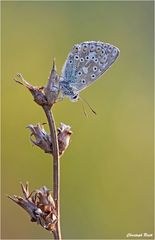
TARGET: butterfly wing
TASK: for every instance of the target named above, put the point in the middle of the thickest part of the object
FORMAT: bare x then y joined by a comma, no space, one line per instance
87,62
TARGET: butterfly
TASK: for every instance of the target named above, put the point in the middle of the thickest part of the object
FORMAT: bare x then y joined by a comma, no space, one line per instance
86,62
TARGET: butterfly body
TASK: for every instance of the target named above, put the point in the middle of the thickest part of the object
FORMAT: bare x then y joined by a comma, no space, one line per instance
86,62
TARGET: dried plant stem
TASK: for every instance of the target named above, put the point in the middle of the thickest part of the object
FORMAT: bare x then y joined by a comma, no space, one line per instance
56,168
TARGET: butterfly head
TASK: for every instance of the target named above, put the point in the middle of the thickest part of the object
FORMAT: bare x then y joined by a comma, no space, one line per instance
75,97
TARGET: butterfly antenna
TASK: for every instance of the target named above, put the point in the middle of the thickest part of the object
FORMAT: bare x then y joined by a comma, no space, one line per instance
85,113
84,100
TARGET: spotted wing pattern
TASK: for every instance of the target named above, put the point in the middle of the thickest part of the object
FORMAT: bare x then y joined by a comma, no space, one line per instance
85,64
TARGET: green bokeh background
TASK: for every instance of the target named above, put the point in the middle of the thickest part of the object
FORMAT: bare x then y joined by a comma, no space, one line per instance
107,172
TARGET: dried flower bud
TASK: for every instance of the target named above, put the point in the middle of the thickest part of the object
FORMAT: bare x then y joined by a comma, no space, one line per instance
37,92
45,197
44,141
40,205
51,90
64,134
43,95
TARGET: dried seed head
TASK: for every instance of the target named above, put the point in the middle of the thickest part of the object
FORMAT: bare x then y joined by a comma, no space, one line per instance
39,205
42,139
52,88
44,96
37,92
64,134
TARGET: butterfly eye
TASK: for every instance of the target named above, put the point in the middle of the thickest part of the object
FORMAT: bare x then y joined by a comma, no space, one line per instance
76,57
93,76
75,98
94,69
79,73
81,59
83,81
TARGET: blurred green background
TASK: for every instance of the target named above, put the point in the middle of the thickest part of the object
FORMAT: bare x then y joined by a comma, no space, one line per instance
107,172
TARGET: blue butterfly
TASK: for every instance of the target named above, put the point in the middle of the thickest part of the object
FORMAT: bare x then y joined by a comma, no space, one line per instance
86,62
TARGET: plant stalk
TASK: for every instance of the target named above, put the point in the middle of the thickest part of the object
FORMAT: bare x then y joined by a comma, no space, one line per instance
56,168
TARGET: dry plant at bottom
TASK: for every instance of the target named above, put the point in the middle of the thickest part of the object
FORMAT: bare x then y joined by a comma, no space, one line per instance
43,208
